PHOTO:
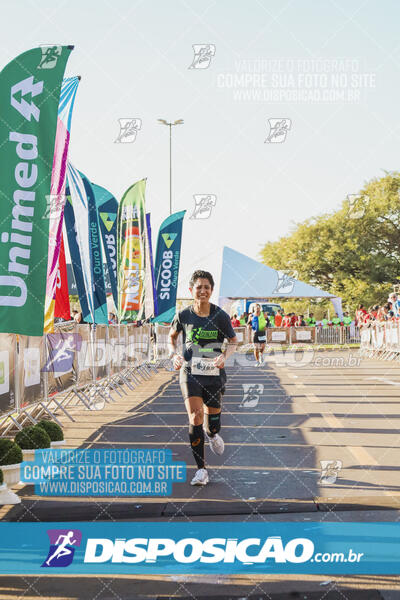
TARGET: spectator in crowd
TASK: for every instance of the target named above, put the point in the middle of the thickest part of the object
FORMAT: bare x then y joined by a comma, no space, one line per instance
235,321
287,319
310,321
383,313
346,319
78,318
360,314
278,319
112,319
395,303
324,321
300,322
243,319
336,321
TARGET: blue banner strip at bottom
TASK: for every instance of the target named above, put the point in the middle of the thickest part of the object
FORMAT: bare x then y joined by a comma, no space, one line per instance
155,548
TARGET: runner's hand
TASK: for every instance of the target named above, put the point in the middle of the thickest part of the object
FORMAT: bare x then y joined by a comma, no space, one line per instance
219,361
177,361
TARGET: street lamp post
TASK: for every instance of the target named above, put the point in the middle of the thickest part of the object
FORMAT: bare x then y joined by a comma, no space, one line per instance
170,125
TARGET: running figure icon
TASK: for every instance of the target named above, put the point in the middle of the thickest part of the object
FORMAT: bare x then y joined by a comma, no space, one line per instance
62,549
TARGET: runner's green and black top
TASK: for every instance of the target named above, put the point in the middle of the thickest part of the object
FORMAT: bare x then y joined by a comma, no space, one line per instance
202,339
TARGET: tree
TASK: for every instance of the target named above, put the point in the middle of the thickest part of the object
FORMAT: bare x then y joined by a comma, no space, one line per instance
353,252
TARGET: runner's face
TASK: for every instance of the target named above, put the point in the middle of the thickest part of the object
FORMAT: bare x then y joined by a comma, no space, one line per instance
201,290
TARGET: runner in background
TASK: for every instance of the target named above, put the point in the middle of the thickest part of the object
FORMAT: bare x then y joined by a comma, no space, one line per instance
202,377
258,325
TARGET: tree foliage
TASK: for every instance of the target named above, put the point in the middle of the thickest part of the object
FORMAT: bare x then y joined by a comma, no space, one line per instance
353,252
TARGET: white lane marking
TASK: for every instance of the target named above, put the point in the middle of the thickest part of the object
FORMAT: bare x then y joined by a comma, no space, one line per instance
358,452
389,381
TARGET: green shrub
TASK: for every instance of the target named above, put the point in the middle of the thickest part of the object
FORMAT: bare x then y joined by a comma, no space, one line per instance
33,438
10,452
1,477
53,430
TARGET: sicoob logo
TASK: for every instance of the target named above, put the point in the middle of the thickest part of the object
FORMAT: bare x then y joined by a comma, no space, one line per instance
61,551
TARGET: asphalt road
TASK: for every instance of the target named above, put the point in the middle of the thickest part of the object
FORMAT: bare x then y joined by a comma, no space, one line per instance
279,422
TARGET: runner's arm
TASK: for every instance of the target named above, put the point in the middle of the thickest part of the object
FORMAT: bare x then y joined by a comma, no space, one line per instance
230,349
177,359
172,341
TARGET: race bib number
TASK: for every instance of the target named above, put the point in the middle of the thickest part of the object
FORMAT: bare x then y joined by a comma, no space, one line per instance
204,366
261,338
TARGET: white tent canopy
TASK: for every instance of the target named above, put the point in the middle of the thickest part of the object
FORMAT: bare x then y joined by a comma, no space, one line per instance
244,277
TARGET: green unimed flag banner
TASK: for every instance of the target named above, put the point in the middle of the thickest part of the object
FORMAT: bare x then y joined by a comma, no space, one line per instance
30,88
131,230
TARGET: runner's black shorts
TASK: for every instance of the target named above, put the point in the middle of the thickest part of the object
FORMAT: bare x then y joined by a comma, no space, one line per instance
211,394
259,337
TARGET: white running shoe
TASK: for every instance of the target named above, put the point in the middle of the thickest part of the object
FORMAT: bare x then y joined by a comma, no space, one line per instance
216,443
200,477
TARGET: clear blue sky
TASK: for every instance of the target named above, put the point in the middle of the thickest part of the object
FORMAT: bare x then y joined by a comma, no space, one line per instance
133,57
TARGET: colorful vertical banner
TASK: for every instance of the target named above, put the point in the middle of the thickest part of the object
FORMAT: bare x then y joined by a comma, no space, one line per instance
81,272
130,255
96,258
166,267
30,88
62,308
87,243
107,210
150,288
56,200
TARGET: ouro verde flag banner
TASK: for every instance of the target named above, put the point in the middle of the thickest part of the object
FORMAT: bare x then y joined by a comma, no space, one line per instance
131,227
107,210
30,88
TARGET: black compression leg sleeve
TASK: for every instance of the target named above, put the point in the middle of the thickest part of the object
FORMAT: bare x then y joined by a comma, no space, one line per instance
196,436
212,423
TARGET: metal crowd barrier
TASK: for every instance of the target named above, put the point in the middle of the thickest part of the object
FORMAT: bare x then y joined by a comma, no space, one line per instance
335,335
381,340
76,365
